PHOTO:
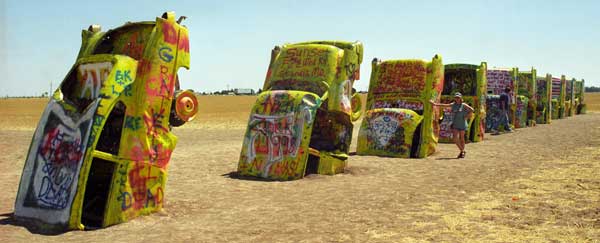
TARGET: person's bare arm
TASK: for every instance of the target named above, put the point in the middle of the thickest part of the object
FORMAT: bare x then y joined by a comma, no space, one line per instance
440,104
471,110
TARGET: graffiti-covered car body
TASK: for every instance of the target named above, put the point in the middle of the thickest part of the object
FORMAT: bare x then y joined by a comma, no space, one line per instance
570,97
559,86
544,99
470,80
498,79
580,107
527,88
100,152
302,122
400,121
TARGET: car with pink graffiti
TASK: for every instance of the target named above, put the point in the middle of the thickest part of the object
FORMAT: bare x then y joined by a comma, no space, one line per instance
559,86
498,79
302,121
400,121
100,153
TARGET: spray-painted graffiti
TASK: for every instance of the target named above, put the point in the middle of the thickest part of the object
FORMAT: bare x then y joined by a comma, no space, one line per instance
165,53
526,84
470,81
397,103
460,80
402,89
53,163
282,136
498,80
556,87
388,132
446,124
384,129
91,76
302,63
521,112
139,177
276,139
60,152
401,77
285,121
543,98
120,96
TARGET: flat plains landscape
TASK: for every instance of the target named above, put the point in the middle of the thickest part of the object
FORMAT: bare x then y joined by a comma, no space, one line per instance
538,184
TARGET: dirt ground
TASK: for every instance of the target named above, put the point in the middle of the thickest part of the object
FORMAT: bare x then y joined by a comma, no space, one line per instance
538,184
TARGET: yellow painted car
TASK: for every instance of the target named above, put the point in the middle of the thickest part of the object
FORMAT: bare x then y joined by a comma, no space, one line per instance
544,99
580,107
302,121
527,88
400,120
100,153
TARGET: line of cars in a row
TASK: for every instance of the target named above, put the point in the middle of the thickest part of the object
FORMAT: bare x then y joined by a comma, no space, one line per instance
100,153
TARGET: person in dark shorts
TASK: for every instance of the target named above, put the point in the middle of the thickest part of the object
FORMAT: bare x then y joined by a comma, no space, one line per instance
504,109
461,113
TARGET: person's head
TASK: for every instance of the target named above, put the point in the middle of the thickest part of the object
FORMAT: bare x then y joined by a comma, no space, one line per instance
458,97
507,90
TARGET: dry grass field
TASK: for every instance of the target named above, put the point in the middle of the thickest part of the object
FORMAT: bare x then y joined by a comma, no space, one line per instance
593,101
539,184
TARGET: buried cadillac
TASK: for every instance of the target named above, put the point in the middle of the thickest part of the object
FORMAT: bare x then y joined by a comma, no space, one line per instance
100,152
302,122
400,121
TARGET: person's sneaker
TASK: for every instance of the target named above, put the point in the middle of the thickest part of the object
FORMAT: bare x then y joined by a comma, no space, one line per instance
496,133
509,130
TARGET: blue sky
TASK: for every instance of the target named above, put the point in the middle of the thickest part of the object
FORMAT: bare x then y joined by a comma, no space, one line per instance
230,41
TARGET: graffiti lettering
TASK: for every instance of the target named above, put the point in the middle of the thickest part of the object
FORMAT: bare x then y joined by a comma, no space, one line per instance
302,63
139,176
404,104
154,122
445,125
127,91
60,151
115,92
401,77
122,77
165,54
133,122
127,200
282,136
169,33
92,75
498,80
50,175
